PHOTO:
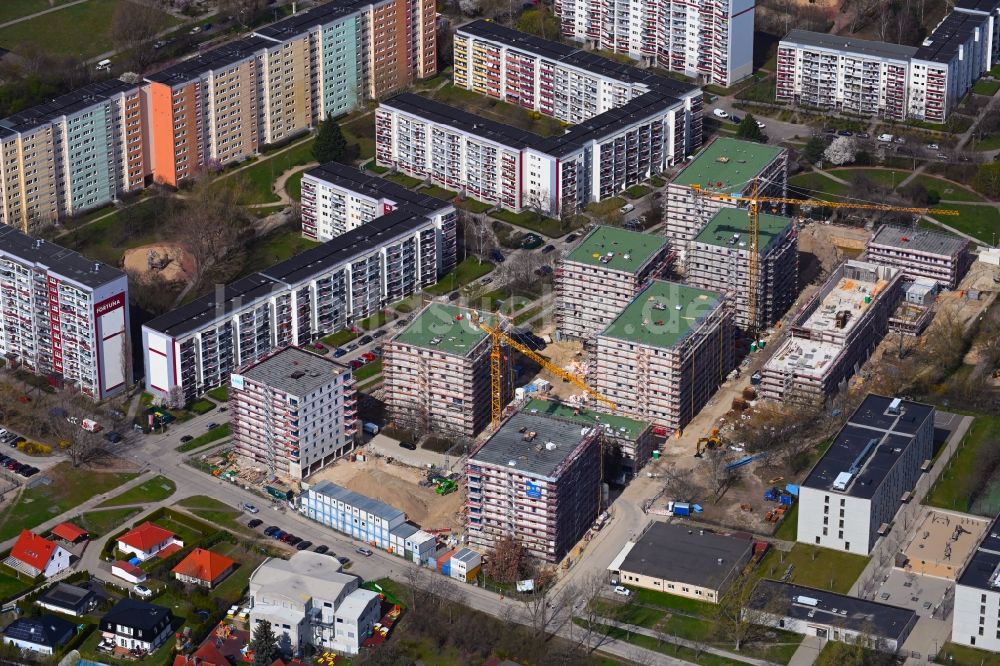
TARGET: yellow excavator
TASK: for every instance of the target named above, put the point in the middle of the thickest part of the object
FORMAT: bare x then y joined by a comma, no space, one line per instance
713,441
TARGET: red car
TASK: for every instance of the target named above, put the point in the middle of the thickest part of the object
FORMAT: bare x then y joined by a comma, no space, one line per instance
355,364
369,357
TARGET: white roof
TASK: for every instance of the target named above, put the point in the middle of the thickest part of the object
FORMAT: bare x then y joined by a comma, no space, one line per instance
354,604
304,576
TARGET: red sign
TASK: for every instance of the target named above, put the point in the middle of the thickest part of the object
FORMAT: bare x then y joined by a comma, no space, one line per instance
109,304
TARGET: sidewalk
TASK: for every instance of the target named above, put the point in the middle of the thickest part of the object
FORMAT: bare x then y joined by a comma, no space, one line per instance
693,645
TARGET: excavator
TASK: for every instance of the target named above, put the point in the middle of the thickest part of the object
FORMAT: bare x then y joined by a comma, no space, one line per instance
713,441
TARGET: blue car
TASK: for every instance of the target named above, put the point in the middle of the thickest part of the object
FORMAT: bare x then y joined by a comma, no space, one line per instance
338,352
279,535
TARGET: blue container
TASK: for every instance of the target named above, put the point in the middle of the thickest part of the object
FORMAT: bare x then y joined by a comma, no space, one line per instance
446,569
682,509
792,489
786,500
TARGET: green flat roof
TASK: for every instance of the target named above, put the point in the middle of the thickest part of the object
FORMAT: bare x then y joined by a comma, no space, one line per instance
563,410
729,221
636,246
652,318
741,161
444,328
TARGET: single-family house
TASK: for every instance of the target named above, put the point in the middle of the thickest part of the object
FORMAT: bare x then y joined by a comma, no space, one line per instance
68,600
136,625
206,655
44,634
203,567
37,556
149,539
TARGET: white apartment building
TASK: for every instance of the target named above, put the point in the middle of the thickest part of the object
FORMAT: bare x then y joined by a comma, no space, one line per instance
975,619
309,601
63,316
852,494
708,40
724,166
320,291
294,412
919,253
948,63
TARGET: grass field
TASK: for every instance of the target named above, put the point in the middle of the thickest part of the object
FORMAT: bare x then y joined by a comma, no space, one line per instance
156,489
232,588
70,487
980,222
377,320
984,87
789,527
202,406
529,220
368,370
809,185
83,30
106,240
439,192
465,272
10,585
955,487
821,568
213,435
636,191
99,523
216,513
961,655
473,206
277,246
219,394
408,182
11,10
258,178
947,190
890,178
686,654
340,338
293,186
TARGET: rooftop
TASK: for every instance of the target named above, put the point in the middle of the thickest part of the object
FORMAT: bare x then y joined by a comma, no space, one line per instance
663,314
851,292
730,227
47,630
445,328
64,595
617,249
984,6
349,178
807,358
868,446
678,553
918,240
950,35
66,105
215,305
304,21
295,371
58,260
205,565
554,442
220,57
304,576
138,615
727,164
983,570
363,502
146,536
821,607
623,427
841,44
464,121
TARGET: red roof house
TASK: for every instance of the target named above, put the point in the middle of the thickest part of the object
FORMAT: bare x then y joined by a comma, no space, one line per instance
35,556
69,532
203,567
206,655
147,540
128,571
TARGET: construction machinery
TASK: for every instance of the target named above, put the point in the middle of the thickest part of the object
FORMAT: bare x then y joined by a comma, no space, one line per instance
713,441
754,201
445,486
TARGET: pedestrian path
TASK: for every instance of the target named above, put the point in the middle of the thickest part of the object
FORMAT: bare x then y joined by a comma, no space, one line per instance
693,645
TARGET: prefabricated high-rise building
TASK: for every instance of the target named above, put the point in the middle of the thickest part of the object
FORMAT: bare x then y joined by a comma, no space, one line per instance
725,166
921,253
666,354
602,274
538,479
437,372
719,258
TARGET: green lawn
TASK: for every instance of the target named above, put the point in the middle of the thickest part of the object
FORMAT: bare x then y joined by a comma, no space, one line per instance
15,9
10,585
340,338
984,87
212,435
215,512
704,659
202,406
473,206
81,31
232,588
439,192
636,191
547,226
954,654
278,246
162,657
219,394
526,315
156,489
402,179
360,132
980,222
465,272
890,178
828,570
377,320
605,206
789,527
368,370
947,190
656,181
70,487
99,523
672,602
107,239
258,178
955,487
293,186
812,185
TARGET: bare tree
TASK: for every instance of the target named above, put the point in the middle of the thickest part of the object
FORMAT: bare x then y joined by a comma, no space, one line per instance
721,477
680,486
744,612
133,25
588,593
507,561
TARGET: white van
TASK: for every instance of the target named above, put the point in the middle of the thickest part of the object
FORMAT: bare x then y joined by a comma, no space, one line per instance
885,138
104,65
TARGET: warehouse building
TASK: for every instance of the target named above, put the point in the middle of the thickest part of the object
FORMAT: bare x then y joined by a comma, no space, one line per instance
687,562
293,413
834,333
852,494
537,479
436,372
725,166
718,258
665,355
919,253
976,614
602,274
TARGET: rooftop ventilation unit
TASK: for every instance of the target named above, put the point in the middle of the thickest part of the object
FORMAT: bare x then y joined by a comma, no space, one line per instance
895,407
806,601
844,478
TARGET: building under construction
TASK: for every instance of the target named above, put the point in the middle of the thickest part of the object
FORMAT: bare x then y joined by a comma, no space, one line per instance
538,479
718,258
666,354
921,253
437,372
726,166
599,277
834,333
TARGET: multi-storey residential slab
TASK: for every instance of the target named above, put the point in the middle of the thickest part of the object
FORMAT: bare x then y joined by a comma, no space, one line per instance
665,355
79,151
602,275
725,166
718,258
833,333
537,478
437,372
63,315
920,253
709,40
975,620
322,290
293,412
337,198
853,492
950,60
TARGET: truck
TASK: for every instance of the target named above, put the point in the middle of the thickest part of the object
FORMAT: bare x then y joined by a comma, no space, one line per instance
90,425
370,428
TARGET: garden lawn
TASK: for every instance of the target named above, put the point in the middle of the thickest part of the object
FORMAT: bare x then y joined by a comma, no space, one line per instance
293,186
258,178
213,435
340,338
99,523
606,206
202,406
282,244
439,193
162,657
637,191
232,588
70,487
669,649
955,487
219,393
377,320
789,527
890,178
466,272
982,222
954,654
156,489
985,87
215,512
360,132
473,206
107,239
529,220
815,185
10,585
408,182
11,10
947,190
368,370
830,570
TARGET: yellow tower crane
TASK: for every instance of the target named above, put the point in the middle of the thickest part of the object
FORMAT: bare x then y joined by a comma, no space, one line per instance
754,200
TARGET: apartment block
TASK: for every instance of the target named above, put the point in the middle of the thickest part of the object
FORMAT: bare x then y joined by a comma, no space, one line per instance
293,413
79,151
921,254
708,40
975,619
852,494
436,372
948,63
538,479
718,258
724,166
337,198
63,316
665,355
602,274
320,291
834,333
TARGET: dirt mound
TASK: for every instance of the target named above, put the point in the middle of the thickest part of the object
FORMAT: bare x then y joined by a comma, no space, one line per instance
421,505
170,261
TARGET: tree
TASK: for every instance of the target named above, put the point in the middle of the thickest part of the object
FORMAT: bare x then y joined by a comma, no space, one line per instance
749,130
133,25
744,612
840,151
506,561
264,644
588,595
813,150
330,146
539,21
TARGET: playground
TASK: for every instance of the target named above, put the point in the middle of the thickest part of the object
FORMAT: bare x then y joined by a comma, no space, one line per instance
942,543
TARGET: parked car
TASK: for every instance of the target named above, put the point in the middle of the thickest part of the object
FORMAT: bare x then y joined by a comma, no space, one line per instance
572,237
864,135
255,523
736,119
369,356
143,592
321,549
250,508
623,591
213,425
933,146
294,540
113,437
531,241
278,535
720,113
339,351
186,438
364,551
497,255
286,537
31,471
364,340
195,30
379,333
409,446
270,530
303,545
355,364
345,560
626,209
845,132
761,125
548,248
